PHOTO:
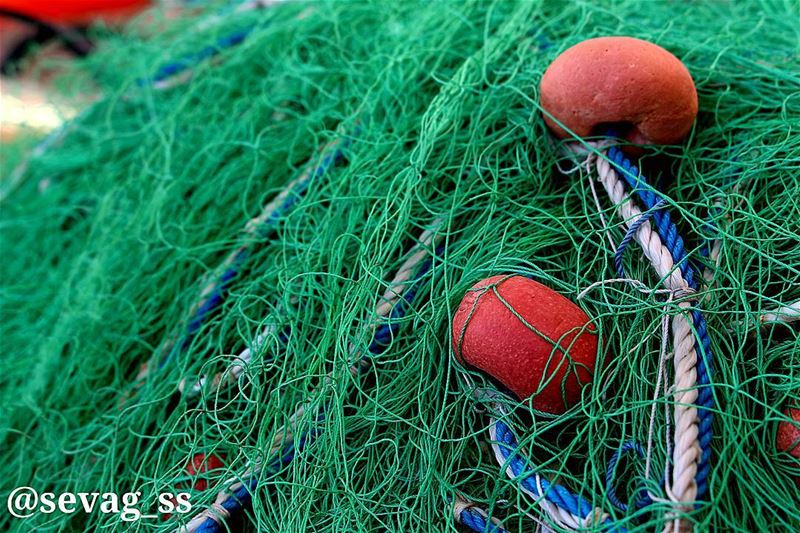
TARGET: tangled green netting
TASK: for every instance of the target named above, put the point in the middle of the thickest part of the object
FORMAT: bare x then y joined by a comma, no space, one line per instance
107,235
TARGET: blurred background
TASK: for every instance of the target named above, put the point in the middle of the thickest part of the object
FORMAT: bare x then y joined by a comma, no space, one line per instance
39,39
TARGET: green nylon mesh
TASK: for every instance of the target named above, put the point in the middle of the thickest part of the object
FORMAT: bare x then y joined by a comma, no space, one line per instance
110,230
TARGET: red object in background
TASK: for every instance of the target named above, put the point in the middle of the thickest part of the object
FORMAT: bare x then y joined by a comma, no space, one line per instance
22,21
75,12
200,464
496,335
788,436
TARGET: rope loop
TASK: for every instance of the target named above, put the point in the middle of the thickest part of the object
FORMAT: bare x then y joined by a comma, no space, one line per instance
627,448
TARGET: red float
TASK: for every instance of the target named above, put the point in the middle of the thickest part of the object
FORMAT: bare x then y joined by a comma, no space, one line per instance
529,338
75,11
622,82
788,436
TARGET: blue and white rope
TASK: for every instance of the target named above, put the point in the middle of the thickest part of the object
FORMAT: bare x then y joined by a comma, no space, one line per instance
705,363
630,234
172,73
566,509
236,368
178,71
691,446
257,229
391,306
469,515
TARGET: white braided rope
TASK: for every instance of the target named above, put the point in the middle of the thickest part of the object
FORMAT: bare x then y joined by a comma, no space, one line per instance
787,314
714,253
715,250
237,366
686,451
251,236
425,245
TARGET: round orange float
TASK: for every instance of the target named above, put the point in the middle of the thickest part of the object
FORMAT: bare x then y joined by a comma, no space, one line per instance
634,86
528,337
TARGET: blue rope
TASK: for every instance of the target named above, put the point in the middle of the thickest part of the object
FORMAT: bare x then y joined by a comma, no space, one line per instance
236,502
215,299
241,497
556,494
643,499
181,65
705,364
477,522
384,334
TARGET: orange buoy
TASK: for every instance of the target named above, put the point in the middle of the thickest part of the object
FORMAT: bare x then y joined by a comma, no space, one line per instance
632,85
788,437
528,337
76,11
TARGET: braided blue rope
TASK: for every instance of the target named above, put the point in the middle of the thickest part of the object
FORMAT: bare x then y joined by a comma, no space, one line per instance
240,498
643,499
185,63
215,299
556,494
649,196
384,334
382,338
477,522
705,364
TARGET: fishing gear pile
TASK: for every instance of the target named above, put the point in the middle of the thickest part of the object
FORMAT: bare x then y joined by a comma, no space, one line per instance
373,266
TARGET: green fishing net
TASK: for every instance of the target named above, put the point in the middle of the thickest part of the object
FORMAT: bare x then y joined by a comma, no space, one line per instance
108,235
